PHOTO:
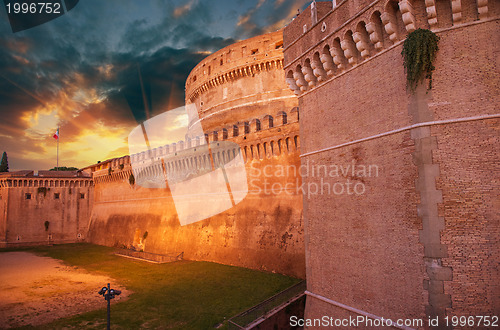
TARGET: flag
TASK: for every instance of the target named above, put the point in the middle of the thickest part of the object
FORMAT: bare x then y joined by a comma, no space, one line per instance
56,135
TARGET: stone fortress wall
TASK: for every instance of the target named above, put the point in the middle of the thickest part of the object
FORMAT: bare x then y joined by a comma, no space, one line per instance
27,201
242,97
423,238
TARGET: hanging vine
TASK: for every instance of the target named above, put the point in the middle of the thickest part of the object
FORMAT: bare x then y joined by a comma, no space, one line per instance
419,53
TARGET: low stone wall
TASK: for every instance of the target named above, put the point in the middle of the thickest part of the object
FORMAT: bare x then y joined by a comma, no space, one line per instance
154,257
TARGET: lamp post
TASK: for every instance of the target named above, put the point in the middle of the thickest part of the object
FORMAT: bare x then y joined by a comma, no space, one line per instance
109,294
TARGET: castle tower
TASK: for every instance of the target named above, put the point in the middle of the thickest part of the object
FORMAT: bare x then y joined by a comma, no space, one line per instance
241,99
241,83
408,226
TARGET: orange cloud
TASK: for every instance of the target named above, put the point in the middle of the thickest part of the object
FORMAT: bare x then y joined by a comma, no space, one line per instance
180,11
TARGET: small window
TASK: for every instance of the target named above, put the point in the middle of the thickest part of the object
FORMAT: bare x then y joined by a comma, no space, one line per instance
27,196
56,195
254,51
82,196
194,78
221,61
279,45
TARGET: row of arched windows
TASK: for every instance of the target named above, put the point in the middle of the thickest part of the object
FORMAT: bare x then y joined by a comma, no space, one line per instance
271,148
239,129
376,29
203,161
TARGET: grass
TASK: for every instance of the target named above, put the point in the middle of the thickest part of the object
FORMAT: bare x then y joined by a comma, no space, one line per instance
183,294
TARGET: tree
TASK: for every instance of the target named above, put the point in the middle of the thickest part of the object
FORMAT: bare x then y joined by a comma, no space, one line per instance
4,165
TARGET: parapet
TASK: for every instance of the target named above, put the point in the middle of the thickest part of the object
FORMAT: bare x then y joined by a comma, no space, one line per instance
238,129
240,81
239,59
352,32
281,138
45,179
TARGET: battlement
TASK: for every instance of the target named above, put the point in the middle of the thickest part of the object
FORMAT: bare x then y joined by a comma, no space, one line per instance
353,32
244,80
229,109
241,59
245,133
45,179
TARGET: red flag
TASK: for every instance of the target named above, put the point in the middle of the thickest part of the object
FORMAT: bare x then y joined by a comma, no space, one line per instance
56,135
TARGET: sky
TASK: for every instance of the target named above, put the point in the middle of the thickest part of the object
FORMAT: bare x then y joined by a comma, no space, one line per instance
80,71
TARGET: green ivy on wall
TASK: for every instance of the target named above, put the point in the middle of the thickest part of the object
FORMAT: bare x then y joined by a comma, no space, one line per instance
419,53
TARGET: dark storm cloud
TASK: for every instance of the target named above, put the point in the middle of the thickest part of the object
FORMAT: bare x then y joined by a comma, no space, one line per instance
268,16
56,54
163,76
183,30
86,63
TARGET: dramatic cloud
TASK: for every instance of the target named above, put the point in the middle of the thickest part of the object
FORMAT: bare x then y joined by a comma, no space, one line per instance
267,16
83,71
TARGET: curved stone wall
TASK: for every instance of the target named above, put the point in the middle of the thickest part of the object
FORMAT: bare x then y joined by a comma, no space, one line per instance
240,83
242,97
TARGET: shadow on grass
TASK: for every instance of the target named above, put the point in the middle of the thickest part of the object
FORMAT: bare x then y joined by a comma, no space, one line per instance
182,294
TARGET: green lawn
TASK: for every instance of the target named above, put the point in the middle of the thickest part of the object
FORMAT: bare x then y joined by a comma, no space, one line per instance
183,294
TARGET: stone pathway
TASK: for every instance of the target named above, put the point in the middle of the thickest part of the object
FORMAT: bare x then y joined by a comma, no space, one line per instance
36,290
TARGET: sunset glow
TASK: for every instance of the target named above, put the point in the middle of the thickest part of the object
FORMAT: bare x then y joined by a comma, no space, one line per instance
82,71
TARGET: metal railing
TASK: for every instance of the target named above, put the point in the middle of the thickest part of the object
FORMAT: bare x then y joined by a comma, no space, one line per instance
259,311
153,257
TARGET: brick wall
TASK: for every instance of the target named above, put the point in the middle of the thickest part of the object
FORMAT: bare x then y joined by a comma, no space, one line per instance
422,239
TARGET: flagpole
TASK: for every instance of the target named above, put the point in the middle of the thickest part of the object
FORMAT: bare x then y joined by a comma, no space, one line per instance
57,163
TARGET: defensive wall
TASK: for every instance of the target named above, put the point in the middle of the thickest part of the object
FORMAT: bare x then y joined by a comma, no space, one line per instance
242,97
44,208
421,237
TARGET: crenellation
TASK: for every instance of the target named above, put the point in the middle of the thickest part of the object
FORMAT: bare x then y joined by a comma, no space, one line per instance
255,125
358,41
281,118
362,40
374,28
456,9
408,15
294,115
316,64
309,76
482,9
267,122
430,7
300,80
252,126
338,55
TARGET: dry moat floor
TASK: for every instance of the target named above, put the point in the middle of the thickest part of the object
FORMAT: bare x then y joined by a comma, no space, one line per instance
56,287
